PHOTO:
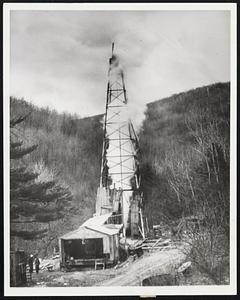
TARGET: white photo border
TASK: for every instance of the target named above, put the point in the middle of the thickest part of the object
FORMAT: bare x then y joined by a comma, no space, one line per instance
230,289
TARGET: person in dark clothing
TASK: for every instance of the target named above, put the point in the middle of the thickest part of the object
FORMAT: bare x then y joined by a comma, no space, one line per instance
30,263
37,263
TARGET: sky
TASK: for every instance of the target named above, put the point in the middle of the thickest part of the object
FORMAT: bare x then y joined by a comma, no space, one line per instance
59,59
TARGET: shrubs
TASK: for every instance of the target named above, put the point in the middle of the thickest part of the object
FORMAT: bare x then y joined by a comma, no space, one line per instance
185,168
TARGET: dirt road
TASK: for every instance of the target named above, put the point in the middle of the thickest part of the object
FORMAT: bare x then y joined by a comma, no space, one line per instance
150,264
132,274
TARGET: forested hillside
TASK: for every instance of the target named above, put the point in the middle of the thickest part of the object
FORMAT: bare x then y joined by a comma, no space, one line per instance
184,162
69,150
185,170
185,152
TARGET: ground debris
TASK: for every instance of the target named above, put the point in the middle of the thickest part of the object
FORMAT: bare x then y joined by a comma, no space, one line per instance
131,272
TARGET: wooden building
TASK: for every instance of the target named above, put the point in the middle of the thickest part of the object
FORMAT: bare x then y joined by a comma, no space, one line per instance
18,268
95,240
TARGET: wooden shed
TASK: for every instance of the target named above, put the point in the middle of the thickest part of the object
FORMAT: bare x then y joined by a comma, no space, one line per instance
18,268
94,240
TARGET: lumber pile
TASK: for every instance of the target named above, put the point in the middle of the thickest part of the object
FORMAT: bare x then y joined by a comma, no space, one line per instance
153,244
158,239
156,244
50,264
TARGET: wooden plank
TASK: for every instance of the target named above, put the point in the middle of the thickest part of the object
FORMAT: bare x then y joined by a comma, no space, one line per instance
141,219
156,247
139,243
159,248
155,244
150,241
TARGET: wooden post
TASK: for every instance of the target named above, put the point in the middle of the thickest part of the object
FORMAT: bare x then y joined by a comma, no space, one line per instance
140,231
141,218
147,225
61,252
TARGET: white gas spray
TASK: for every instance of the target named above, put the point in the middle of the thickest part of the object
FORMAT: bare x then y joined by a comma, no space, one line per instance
120,151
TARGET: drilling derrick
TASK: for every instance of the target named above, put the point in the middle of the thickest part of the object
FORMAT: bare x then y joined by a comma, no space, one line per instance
118,215
119,190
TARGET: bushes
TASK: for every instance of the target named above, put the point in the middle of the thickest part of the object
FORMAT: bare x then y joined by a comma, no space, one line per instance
184,141
185,167
210,252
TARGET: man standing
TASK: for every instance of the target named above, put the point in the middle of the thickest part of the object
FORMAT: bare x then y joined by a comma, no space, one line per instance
30,263
37,263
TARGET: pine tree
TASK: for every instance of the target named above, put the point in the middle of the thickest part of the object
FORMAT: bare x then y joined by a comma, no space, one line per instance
32,199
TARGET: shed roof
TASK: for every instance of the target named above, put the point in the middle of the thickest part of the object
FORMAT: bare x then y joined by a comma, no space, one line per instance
108,229
97,220
82,233
94,228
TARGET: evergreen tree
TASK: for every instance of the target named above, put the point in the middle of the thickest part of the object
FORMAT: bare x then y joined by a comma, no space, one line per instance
33,199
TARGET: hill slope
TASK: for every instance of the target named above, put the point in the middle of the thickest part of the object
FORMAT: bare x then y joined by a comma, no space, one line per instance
184,160
185,152
185,171
71,148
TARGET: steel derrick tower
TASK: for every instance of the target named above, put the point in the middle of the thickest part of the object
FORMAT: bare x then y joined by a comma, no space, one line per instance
119,169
